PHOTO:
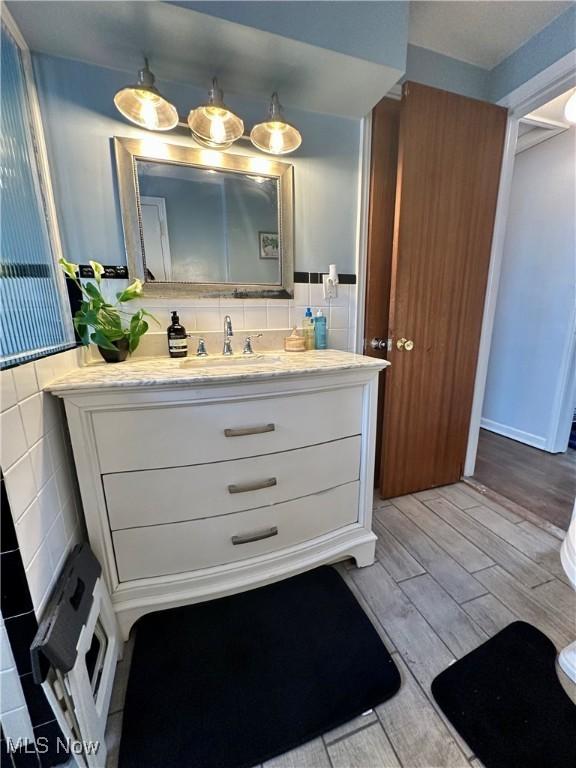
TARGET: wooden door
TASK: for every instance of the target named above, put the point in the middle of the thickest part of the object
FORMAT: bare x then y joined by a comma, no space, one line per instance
383,165
449,157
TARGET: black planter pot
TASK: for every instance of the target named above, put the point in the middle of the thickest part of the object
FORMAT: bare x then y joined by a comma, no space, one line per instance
117,356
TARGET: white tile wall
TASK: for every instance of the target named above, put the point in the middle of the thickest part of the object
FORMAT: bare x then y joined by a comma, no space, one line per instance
8,396
38,470
13,711
10,689
207,315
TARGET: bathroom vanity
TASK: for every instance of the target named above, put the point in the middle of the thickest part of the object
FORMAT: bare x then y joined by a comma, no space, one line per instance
200,478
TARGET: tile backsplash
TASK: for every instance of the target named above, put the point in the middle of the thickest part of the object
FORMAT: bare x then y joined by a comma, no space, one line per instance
206,316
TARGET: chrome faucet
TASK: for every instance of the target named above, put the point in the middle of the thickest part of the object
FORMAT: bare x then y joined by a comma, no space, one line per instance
248,343
228,332
201,348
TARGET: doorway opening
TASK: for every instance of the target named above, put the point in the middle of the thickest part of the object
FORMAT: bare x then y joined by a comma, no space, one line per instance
530,396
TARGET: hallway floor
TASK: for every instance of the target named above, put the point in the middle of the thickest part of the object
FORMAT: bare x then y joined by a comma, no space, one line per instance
453,568
543,482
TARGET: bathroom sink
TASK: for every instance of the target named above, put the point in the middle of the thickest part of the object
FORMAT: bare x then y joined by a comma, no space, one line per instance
231,361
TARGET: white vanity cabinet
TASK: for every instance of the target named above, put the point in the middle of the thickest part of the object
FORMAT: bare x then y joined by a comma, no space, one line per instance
197,487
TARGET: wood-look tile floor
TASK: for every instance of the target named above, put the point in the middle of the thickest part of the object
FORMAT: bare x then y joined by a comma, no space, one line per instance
544,482
453,568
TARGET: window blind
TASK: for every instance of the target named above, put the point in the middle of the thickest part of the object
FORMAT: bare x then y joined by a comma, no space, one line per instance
32,320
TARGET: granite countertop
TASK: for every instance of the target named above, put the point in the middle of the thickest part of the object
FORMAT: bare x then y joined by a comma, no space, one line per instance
159,371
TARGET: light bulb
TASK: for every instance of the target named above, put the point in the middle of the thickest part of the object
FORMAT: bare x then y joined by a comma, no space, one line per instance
275,135
148,114
144,106
213,123
276,141
570,109
218,130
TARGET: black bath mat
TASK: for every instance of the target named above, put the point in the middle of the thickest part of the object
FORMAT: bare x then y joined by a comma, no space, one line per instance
232,682
506,701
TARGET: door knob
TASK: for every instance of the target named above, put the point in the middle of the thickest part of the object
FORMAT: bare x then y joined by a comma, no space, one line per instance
406,344
377,343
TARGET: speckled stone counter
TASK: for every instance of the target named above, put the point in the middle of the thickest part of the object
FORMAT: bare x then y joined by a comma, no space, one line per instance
159,371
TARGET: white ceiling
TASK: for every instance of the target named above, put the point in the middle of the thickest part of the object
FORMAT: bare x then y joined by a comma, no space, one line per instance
482,33
543,123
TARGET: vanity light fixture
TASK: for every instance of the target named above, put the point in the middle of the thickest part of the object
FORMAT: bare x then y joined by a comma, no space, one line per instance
143,104
275,136
570,109
214,124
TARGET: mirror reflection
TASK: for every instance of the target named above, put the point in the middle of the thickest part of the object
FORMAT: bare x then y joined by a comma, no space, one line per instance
202,225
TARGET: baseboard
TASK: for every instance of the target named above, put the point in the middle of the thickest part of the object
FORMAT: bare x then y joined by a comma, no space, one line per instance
536,441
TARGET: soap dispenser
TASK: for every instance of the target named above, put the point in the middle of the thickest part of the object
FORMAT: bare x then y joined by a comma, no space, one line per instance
320,331
308,330
177,341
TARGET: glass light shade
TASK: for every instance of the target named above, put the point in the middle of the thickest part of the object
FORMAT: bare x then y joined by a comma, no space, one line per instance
213,124
210,144
570,109
275,136
143,104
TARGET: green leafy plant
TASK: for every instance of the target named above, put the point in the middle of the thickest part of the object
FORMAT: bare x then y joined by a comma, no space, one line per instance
103,323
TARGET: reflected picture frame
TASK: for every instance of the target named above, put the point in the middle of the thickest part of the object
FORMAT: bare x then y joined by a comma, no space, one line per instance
268,245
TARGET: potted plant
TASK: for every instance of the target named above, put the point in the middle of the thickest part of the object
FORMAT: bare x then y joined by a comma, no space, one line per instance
115,331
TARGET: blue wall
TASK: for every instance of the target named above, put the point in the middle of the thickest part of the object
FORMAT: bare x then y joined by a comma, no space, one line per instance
375,31
547,46
80,119
435,69
213,228
250,209
195,231
542,50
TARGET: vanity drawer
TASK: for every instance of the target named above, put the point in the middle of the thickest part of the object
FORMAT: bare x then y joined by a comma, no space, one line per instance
173,436
179,547
150,497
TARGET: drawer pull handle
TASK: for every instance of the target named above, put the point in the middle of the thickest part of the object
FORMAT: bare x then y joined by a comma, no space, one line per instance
246,538
256,485
243,431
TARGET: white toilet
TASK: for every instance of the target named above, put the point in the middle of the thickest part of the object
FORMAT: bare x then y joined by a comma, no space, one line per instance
567,657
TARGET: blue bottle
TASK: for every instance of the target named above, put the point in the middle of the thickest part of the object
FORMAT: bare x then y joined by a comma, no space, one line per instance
320,331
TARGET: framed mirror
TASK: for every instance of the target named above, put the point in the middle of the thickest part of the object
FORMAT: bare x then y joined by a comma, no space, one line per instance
199,222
